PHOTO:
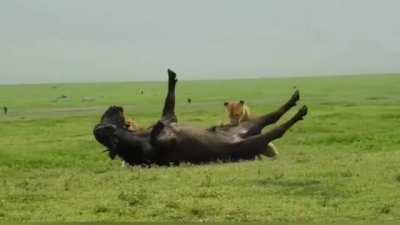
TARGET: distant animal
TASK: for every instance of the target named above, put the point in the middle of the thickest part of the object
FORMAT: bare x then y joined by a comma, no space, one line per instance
141,92
189,100
5,110
88,99
237,111
60,97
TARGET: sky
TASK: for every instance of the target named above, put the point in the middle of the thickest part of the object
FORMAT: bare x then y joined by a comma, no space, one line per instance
46,41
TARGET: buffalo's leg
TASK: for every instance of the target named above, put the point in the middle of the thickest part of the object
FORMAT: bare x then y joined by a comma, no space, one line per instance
160,138
256,144
254,126
168,114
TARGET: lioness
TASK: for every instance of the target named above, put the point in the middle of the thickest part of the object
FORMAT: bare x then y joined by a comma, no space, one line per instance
239,112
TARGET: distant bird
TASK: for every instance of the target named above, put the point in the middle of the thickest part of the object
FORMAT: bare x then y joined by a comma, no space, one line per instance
189,100
5,110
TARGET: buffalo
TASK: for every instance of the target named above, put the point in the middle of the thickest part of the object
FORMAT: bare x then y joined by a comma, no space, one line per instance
168,142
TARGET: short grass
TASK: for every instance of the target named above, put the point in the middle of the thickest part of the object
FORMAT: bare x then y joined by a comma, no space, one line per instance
341,163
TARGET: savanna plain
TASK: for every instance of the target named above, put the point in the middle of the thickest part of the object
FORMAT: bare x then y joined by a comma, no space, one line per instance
342,163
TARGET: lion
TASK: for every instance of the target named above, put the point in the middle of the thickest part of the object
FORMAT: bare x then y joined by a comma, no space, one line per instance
239,112
131,124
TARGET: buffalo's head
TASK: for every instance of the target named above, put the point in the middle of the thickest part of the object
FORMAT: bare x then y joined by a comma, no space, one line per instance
115,136
112,120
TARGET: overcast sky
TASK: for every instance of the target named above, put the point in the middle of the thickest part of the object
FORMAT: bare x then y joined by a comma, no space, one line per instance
103,40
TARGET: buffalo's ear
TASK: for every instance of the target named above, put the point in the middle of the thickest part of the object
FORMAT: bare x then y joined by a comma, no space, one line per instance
225,103
241,102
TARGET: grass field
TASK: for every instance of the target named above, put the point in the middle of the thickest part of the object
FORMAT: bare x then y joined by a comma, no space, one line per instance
341,163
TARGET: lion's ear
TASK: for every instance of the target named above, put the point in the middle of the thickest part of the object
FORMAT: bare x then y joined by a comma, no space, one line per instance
226,103
241,102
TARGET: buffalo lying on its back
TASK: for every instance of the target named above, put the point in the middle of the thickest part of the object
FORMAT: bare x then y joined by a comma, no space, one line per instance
169,142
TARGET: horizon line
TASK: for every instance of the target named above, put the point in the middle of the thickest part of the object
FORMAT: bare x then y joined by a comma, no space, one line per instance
206,79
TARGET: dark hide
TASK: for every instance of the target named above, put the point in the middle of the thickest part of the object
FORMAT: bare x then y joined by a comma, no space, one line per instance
168,142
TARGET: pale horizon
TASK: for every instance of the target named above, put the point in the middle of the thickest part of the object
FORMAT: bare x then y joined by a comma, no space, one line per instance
165,78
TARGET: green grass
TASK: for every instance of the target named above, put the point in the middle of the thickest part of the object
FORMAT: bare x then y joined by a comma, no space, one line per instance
341,163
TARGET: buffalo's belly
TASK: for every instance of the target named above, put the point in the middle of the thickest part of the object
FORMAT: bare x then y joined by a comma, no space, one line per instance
200,145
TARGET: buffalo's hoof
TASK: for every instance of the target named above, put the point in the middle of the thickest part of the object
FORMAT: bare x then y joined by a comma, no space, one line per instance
295,97
172,76
271,151
302,112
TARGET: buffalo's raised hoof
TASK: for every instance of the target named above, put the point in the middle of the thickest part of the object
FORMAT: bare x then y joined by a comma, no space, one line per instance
301,113
172,77
294,99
